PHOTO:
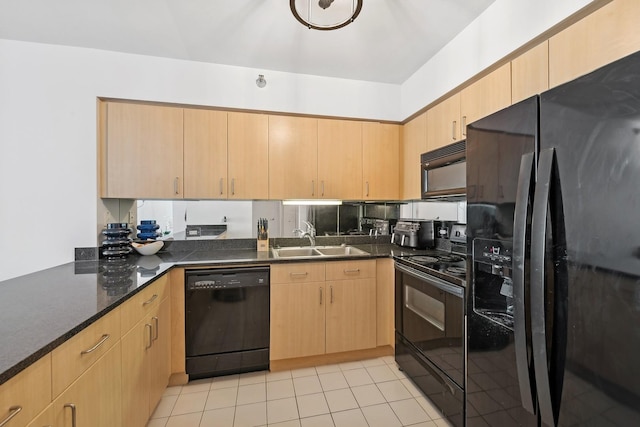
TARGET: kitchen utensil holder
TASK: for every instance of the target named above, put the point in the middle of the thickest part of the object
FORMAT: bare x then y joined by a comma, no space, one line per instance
263,242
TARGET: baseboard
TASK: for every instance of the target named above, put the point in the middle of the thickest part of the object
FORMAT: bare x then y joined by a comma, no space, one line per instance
329,359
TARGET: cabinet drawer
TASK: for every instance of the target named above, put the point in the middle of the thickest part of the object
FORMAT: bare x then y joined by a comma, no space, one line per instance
30,390
141,304
298,273
344,270
76,355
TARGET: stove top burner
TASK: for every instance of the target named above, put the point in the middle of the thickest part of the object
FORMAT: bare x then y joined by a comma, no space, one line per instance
424,259
450,258
458,271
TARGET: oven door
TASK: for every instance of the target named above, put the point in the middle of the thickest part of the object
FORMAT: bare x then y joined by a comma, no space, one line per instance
430,315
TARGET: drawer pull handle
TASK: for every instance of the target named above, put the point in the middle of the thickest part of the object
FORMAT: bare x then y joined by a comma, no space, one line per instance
221,186
357,270
13,411
299,274
73,413
331,294
320,296
95,347
155,319
150,300
147,325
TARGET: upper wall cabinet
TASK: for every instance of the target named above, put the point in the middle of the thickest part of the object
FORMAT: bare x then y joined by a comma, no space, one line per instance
444,123
248,156
142,156
340,159
205,154
293,157
380,161
606,35
414,143
530,73
486,96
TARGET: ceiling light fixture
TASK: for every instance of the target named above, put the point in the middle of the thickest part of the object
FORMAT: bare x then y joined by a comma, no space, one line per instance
325,14
260,81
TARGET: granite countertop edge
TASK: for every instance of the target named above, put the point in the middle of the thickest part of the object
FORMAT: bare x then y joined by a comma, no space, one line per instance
11,365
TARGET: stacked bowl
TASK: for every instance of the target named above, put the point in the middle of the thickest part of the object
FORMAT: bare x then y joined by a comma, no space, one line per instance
148,229
117,244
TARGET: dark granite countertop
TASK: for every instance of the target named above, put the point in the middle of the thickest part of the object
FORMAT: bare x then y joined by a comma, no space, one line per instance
42,310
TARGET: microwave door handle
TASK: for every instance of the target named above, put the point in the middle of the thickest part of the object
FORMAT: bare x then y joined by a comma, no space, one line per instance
538,320
525,379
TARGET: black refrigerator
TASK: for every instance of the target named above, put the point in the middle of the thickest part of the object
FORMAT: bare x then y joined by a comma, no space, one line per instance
553,226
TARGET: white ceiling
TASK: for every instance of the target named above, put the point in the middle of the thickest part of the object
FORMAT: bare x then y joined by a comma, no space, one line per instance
387,43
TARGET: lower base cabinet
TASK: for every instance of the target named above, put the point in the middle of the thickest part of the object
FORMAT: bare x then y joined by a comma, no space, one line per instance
321,308
146,365
94,398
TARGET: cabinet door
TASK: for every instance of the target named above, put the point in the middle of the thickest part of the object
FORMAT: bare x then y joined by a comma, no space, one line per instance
488,95
205,154
385,295
293,157
248,156
530,73
143,152
414,143
380,161
95,396
340,159
606,35
160,364
351,315
29,390
443,123
136,347
297,320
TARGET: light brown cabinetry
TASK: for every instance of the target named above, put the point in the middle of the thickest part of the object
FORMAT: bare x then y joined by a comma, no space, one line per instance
604,36
351,309
293,157
444,123
385,296
340,159
414,143
248,156
75,356
142,152
319,308
380,161
486,96
146,352
27,394
205,154
94,398
530,73
298,299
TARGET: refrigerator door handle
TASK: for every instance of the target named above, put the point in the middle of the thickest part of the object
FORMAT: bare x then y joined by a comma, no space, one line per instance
525,179
538,319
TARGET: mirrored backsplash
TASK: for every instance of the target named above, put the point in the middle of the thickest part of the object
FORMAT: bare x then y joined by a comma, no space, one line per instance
238,219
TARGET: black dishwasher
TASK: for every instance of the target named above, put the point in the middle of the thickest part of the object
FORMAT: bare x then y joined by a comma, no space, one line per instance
226,321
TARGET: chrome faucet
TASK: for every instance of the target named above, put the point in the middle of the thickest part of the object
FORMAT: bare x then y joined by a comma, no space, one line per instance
310,233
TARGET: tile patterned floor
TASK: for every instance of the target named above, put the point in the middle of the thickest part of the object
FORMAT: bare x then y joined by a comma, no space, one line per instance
369,393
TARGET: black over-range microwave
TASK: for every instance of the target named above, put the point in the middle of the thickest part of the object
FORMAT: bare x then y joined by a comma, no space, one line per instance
444,173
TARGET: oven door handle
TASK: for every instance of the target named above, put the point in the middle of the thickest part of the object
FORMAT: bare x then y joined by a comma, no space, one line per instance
454,290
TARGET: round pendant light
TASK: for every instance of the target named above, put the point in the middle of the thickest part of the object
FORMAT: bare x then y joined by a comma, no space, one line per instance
325,14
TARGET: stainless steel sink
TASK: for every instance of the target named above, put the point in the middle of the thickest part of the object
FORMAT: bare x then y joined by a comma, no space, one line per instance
298,252
316,251
340,250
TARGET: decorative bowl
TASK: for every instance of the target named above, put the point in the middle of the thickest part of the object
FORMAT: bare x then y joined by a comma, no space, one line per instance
149,248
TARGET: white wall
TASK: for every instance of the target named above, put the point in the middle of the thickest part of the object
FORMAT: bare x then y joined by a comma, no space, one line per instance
505,26
48,93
